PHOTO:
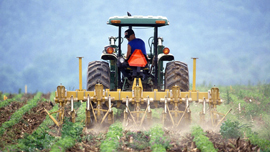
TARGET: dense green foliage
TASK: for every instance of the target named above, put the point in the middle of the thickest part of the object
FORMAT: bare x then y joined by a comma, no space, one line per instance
202,142
111,143
16,117
8,101
158,141
230,129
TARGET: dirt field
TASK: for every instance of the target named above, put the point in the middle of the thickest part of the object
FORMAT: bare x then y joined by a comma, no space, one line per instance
29,122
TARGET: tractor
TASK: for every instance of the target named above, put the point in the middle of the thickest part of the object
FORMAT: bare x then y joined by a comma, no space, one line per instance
148,70
137,83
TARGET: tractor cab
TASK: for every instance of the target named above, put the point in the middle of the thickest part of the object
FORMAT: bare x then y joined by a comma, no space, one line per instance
149,67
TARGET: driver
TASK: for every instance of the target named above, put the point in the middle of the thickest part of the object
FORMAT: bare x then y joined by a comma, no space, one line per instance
133,43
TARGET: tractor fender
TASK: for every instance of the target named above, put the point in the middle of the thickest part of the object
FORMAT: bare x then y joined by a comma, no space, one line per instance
165,57
106,56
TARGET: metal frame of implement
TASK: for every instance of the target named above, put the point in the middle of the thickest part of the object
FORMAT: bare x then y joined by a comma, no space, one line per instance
137,97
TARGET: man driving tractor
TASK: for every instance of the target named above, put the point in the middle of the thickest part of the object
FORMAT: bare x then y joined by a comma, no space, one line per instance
134,43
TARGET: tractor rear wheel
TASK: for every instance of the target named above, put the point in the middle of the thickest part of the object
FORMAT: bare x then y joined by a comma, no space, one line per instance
176,73
98,72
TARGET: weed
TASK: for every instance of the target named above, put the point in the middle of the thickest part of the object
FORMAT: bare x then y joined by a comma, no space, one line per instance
230,129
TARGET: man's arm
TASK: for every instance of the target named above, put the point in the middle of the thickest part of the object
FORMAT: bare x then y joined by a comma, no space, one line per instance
128,51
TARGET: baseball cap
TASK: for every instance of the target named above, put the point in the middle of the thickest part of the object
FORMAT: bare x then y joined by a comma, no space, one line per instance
128,33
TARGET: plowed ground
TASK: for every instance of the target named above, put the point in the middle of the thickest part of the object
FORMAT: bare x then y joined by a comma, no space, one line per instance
7,111
178,142
29,122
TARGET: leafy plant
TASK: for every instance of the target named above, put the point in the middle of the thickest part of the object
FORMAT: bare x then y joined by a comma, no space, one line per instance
158,141
111,143
70,135
230,129
117,112
202,142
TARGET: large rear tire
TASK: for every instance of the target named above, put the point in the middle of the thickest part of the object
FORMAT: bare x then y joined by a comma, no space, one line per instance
98,72
176,73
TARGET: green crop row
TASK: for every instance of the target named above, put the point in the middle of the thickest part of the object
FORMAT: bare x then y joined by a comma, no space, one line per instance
202,142
39,139
71,132
7,102
158,142
16,117
111,143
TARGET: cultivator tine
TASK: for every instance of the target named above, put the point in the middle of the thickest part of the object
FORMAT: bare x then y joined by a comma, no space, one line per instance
110,116
147,110
88,100
204,106
72,110
170,114
132,116
182,117
55,121
143,116
88,112
149,113
105,116
202,113
165,111
126,112
188,112
224,117
211,114
175,99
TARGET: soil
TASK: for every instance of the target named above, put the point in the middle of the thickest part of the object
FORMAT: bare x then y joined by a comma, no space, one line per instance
7,111
179,141
30,121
